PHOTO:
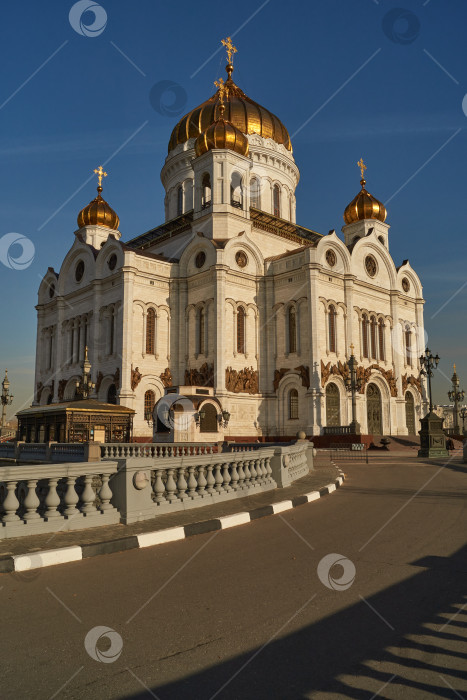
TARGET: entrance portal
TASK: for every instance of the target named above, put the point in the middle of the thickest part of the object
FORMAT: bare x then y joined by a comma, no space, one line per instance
374,410
410,413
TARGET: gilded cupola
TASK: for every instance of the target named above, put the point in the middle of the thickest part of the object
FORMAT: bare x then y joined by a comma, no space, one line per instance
98,212
364,205
241,112
222,133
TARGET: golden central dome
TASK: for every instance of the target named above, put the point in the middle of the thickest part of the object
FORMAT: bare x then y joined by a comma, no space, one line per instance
364,206
247,116
98,213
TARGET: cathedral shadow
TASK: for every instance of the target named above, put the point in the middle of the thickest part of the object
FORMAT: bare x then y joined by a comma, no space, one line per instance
354,653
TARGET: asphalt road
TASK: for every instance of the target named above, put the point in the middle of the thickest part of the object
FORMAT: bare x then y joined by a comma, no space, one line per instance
243,613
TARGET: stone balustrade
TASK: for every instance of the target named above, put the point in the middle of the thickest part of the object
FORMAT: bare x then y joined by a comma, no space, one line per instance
50,498
118,450
50,452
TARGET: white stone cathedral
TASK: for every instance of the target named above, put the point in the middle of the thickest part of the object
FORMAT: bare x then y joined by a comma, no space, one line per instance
234,302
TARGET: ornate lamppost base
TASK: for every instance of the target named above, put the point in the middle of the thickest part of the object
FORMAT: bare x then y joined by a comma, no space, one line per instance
432,437
354,428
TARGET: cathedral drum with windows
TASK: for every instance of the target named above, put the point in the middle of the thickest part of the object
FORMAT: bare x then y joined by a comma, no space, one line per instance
231,301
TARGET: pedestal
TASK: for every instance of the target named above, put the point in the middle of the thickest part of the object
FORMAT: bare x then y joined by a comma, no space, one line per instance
432,437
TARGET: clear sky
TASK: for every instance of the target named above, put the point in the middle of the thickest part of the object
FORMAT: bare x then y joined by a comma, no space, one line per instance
349,78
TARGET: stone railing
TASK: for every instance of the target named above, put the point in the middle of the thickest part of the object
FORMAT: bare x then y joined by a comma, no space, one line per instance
50,452
290,462
337,430
51,498
118,450
145,488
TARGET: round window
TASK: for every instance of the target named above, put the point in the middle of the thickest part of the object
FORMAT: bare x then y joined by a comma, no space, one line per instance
112,262
241,258
331,258
51,290
79,271
200,259
370,265
405,284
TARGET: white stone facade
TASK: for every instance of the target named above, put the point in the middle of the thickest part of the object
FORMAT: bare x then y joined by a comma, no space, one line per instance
231,284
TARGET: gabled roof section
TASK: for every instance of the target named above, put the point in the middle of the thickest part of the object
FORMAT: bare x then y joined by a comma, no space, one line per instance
168,230
285,229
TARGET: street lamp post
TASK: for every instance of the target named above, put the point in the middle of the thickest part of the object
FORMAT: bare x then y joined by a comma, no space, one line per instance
456,396
353,385
432,437
85,385
7,399
427,364
463,413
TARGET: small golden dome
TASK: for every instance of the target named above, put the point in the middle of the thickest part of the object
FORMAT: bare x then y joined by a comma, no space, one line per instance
247,116
222,134
98,213
364,206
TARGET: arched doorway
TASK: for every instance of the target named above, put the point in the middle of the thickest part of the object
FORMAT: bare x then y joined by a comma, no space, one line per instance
410,413
333,409
208,419
112,394
374,410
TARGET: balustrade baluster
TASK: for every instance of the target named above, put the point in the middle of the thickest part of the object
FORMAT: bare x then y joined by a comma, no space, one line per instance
105,493
218,478
181,484
88,496
159,487
210,479
253,472
11,503
226,478
192,483
264,471
268,468
201,481
247,473
71,498
241,475
31,502
234,476
52,500
171,486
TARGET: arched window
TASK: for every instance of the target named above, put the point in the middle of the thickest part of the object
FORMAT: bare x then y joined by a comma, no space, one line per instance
180,201
151,332
277,200
208,418
149,403
112,332
292,330
332,328
293,404
381,339
206,197
201,330
255,193
241,330
236,191
373,337
408,347
365,335
333,413
112,394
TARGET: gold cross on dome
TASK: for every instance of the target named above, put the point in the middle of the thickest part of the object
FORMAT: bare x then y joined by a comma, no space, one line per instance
362,167
222,89
100,174
229,47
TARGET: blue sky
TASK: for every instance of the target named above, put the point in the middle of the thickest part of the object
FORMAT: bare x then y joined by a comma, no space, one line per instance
348,78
